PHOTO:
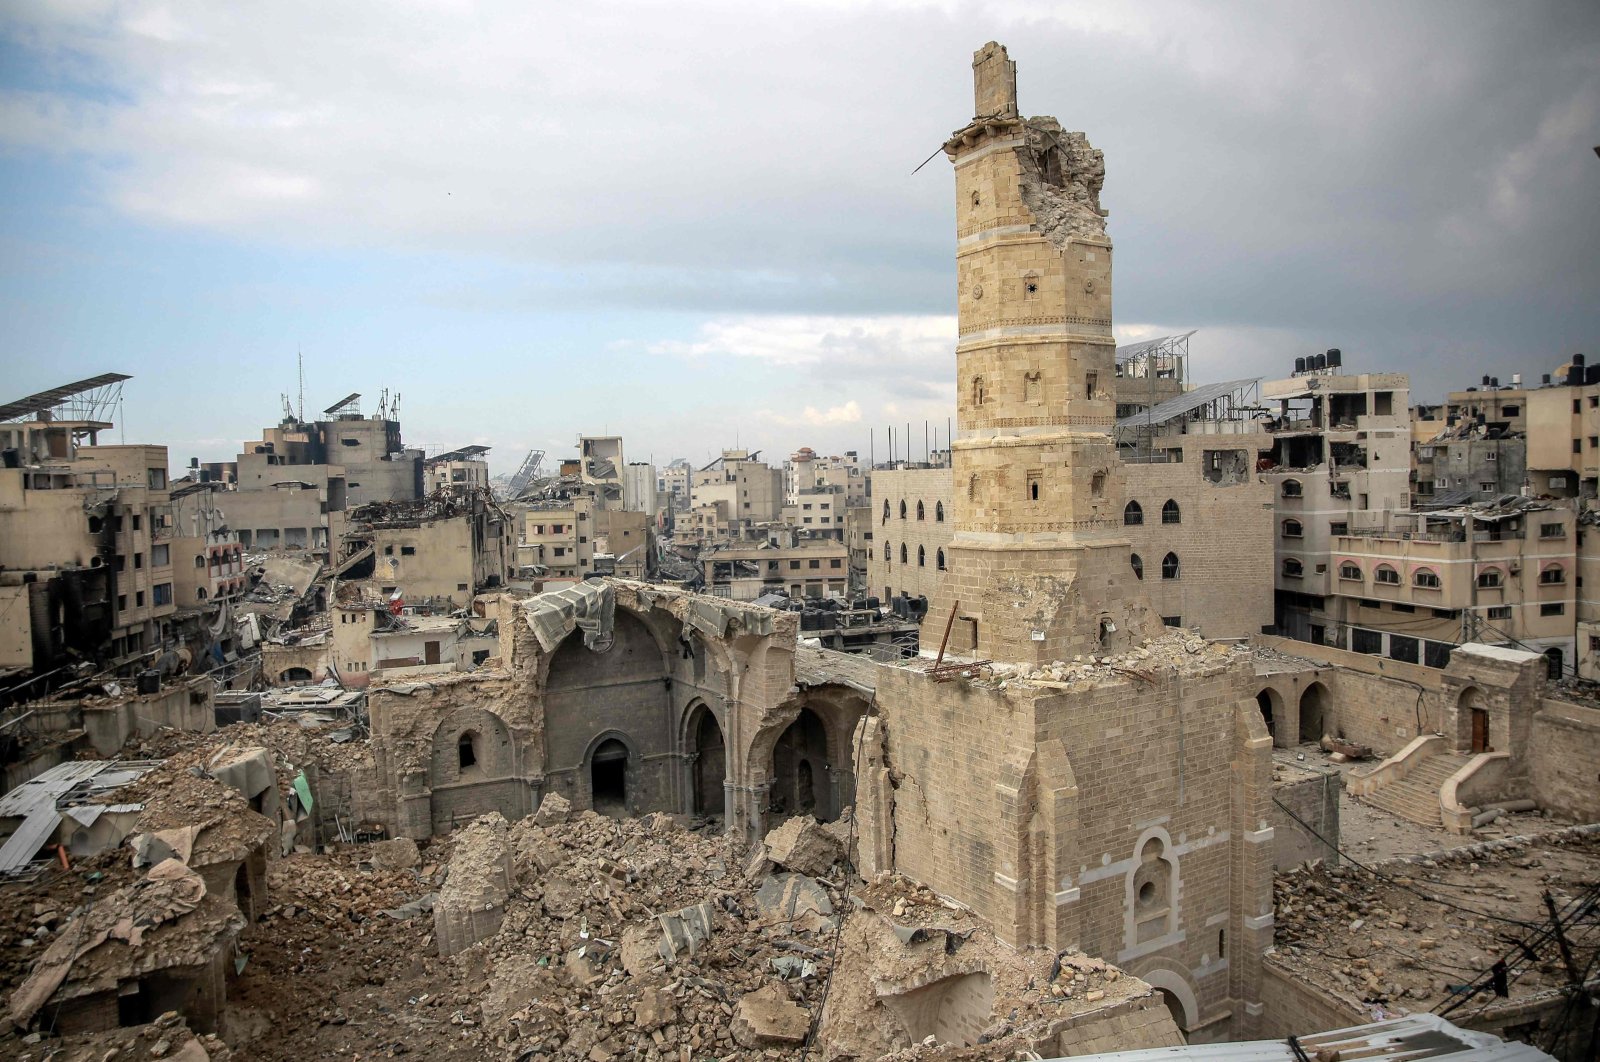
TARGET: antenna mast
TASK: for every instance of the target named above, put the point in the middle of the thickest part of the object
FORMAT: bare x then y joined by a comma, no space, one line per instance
301,362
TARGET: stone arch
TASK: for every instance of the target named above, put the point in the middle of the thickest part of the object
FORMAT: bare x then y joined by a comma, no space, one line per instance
800,769
708,751
1177,993
1472,721
622,692
1151,890
817,733
1314,714
463,790
611,770
295,674
1271,706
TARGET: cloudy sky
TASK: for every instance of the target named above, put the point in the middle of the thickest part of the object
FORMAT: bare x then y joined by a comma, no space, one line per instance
695,223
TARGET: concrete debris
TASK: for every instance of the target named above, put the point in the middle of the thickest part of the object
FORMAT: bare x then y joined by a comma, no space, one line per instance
472,902
398,853
804,846
553,809
792,897
767,1018
683,931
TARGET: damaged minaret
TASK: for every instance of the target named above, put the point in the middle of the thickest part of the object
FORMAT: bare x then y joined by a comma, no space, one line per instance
1039,569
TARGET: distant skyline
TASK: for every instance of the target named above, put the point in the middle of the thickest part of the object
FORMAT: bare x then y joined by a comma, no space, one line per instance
694,223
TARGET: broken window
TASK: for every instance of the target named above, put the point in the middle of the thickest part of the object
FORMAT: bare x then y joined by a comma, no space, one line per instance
886,510
1097,484
1293,569
920,513
938,512
1293,529
1030,387
888,555
940,559
1169,566
467,751
1091,384
1138,565
1292,488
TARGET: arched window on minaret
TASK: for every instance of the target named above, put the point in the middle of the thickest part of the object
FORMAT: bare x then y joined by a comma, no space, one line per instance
938,512
1031,387
977,390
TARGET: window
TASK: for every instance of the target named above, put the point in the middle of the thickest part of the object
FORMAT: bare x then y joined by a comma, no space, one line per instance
409,551
1138,566
1404,647
138,561
1577,444
938,512
940,558
902,508
1339,527
922,557
157,478
1293,529
1172,621
138,521
1365,641
138,599
1555,608
1511,411
977,390
1169,566
1426,578
466,751
1034,477
1499,612
1386,574
1292,489
1097,484
1398,607
1425,487
888,554
1489,578
1132,514
1091,384
920,513
1492,455
905,554
1293,569
1552,531
161,593
160,556
1350,570
835,563
886,510
199,561
1170,514
794,565
1554,575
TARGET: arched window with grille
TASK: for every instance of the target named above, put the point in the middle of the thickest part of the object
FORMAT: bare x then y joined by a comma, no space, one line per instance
1170,513
1292,568
1169,566
1490,579
902,508
1132,514
1293,529
1350,570
938,512
1386,573
920,513
904,554
1426,578
922,557
1292,488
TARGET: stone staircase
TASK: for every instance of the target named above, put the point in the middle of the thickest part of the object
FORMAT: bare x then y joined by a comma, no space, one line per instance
1416,796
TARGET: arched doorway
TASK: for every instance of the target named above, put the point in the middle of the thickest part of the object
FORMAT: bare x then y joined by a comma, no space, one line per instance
608,778
1554,661
1313,712
241,891
1174,1007
710,763
1472,715
295,674
1267,700
800,770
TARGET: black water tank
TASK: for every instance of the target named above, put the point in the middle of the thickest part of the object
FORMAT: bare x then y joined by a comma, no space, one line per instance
873,602
1299,365
1546,380
1591,374
1577,359
1574,375
10,458
149,681
1335,359
1494,381
1317,362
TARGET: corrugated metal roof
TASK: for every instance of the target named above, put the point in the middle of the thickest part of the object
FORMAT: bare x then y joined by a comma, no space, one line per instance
35,801
1412,1037
35,830
1129,351
1173,408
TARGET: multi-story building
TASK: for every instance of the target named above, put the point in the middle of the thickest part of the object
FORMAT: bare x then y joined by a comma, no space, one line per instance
557,536
462,471
437,552
806,470
639,488
911,531
810,568
753,491
1563,429
1366,563
818,512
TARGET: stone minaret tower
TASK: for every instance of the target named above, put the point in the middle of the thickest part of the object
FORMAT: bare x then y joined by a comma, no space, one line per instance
1038,563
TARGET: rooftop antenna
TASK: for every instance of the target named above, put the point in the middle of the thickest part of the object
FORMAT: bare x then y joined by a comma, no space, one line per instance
300,360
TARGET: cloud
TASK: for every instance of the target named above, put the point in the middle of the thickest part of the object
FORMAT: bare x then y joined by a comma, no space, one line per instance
848,413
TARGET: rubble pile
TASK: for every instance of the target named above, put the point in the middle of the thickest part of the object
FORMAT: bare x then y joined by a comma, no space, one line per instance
168,1038
1177,651
1399,944
639,938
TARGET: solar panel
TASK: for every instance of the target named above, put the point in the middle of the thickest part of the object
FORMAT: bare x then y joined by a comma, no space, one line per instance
52,398
1173,408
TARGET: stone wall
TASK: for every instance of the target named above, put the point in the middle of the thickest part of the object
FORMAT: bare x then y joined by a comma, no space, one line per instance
1291,1007
1050,813
1305,804
1565,762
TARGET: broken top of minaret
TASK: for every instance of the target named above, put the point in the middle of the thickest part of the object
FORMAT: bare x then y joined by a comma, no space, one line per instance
994,82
